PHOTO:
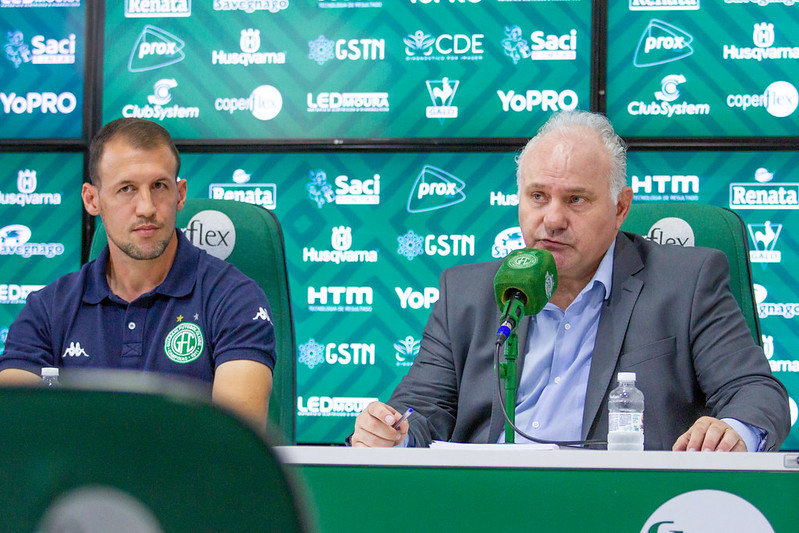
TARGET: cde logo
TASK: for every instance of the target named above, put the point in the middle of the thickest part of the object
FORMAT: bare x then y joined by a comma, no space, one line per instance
212,231
184,343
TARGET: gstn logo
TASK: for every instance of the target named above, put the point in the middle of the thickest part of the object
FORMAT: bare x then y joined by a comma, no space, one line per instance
322,49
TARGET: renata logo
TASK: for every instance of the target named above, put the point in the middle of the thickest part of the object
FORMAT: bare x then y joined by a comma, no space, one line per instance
157,8
764,195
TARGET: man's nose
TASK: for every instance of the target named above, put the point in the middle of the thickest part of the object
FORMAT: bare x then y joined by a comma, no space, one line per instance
145,207
556,217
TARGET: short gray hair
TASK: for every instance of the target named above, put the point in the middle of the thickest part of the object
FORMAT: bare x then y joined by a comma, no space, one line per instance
566,120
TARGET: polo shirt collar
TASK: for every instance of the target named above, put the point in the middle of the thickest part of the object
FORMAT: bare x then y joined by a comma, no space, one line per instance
179,281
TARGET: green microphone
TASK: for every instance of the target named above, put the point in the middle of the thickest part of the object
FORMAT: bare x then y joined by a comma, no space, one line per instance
523,285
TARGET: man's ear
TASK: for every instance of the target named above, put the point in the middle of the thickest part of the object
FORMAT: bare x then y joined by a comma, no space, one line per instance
182,191
91,199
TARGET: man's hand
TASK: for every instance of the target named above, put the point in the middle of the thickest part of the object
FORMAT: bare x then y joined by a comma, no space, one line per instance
710,434
373,427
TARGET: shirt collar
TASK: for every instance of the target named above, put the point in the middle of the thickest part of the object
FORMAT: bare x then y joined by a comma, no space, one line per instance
179,281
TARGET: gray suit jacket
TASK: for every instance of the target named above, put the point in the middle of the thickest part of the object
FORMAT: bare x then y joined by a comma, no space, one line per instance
670,318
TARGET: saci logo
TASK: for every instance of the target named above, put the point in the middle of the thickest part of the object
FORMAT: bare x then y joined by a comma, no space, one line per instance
664,5
662,187
541,47
417,299
212,231
263,194
349,191
433,189
155,48
442,92
780,99
265,103
63,103
250,44
251,6
375,102
11,293
14,241
546,99
332,406
406,350
420,46
313,353
26,185
157,101
764,238
661,43
322,49
348,299
506,241
671,230
157,8
341,242
411,245
45,51
668,93
763,39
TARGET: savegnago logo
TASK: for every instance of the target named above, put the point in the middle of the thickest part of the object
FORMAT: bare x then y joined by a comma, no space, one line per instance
264,102
341,242
665,104
27,195
331,405
14,241
157,108
763,38
250,44
780,99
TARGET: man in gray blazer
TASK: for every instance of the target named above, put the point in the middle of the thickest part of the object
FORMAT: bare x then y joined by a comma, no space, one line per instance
622,304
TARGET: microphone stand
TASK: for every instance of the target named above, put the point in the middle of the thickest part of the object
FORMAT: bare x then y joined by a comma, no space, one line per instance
507,371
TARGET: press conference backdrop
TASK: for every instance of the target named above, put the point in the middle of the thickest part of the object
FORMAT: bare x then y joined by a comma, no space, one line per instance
369,231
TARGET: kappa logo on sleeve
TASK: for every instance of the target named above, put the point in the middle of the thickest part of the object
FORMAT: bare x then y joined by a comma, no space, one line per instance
262,314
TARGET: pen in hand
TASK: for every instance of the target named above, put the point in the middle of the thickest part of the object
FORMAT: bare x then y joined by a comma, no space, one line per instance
404,417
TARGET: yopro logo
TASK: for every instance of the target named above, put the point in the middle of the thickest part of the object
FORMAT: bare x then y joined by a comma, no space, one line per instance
417,299
63,103
212,231
155,48
546,99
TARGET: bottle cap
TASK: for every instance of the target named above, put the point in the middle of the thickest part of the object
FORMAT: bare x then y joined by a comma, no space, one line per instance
49,372
626,377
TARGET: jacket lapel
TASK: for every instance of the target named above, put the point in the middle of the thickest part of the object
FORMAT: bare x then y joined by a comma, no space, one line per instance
613,323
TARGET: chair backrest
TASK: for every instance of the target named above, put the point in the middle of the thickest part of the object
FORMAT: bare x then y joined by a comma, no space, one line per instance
691,224
259,252
90,460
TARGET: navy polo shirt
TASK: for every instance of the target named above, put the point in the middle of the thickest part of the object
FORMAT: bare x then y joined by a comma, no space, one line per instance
205,312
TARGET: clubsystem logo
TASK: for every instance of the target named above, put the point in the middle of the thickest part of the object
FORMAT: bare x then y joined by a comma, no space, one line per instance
664,104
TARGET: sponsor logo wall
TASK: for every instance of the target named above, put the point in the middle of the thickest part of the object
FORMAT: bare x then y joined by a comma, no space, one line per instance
685,69
335,69
42,69
40,225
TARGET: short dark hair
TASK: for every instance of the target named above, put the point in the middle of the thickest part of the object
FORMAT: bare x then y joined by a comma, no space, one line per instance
140,133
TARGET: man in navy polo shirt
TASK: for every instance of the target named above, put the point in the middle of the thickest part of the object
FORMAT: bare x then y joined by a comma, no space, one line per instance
152,300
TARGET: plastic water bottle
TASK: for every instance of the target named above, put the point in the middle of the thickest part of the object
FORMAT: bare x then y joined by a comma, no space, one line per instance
50,377
626,415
